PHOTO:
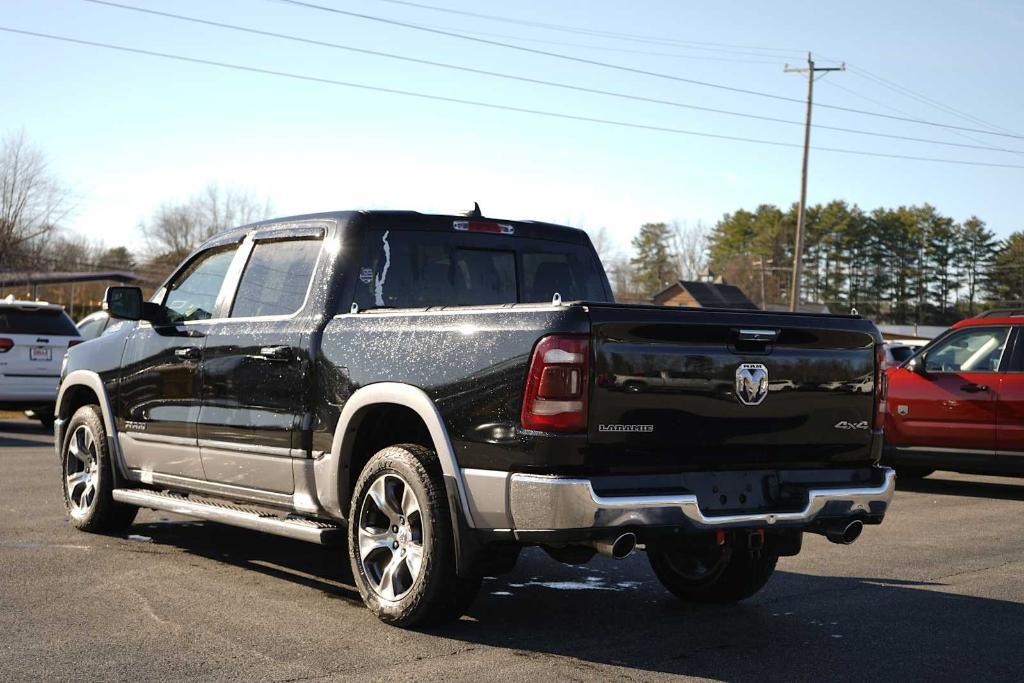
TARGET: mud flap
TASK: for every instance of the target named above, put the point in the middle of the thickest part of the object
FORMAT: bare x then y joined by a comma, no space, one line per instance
467,548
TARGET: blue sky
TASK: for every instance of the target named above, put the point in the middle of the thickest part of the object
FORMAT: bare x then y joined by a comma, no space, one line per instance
129,132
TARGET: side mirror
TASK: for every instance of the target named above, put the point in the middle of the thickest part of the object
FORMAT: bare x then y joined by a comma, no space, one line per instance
123,303
917,365
126,303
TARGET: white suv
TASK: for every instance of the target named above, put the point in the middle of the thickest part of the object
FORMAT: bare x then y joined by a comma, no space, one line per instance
34,336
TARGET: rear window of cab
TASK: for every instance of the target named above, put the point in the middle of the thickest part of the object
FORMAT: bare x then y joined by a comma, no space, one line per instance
412,269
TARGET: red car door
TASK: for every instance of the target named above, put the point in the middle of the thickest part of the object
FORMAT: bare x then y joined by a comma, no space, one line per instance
1010,412
947,403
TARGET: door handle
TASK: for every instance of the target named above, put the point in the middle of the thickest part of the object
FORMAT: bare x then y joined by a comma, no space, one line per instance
187,352
276,352
974,388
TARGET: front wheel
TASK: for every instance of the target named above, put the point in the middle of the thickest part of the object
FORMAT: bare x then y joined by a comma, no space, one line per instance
88,476
720,574
401,542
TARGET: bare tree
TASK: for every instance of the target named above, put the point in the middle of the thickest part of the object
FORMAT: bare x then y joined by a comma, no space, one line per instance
602,244
177,229
32,200
690,247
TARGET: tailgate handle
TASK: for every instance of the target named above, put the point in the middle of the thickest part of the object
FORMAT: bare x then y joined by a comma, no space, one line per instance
187,352
762,336
276,352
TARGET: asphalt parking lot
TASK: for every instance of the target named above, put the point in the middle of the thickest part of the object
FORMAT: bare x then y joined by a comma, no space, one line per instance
936,592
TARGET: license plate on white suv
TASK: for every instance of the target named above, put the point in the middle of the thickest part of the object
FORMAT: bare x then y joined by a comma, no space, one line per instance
40,353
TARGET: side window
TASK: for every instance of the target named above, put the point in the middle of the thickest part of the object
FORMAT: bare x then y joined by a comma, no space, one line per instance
970,350
193,293
571,274
276,278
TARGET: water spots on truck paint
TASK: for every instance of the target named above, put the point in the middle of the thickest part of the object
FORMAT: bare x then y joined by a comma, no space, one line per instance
378,285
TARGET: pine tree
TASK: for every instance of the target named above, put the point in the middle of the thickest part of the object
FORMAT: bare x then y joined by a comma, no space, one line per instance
653,262
978,248
1006,274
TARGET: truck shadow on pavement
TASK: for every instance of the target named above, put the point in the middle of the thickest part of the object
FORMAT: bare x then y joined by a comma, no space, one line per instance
615,614
962,487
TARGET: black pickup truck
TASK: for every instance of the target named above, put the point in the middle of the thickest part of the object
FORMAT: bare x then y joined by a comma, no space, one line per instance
437,392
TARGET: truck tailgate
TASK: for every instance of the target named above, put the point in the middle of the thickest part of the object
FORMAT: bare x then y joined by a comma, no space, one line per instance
693,389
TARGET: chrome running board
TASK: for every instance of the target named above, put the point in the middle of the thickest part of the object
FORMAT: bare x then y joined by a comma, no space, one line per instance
311,531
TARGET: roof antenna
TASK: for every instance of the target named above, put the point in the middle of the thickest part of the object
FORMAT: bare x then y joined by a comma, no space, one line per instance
475,213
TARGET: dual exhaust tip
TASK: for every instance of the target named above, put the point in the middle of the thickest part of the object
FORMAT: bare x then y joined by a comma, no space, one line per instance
844,533
618,548
623,545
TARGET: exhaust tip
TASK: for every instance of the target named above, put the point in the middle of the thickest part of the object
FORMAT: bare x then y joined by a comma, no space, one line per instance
845,534
623,546
617,548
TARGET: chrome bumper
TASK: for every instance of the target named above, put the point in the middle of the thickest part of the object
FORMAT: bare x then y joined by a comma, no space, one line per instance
543,503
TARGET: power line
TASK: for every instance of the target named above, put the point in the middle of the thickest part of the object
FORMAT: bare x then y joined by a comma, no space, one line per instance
585,31
911,94
526,79
885,105
487,105
764,59
545,53
907,92
628,69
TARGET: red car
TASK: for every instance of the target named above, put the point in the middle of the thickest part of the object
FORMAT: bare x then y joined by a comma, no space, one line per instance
958,403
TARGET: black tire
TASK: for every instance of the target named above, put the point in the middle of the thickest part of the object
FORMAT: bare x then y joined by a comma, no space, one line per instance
96,512
435,593
733,575
913,473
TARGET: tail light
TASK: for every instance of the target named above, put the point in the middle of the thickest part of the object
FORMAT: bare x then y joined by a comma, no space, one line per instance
556,386
6,344
75,342
881,387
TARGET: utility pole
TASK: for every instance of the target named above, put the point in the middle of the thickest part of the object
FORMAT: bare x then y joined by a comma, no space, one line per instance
798,247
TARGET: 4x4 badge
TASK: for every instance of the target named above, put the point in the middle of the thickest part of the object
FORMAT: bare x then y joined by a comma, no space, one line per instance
751,383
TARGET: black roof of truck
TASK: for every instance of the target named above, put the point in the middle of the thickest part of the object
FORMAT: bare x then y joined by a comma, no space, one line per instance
414,220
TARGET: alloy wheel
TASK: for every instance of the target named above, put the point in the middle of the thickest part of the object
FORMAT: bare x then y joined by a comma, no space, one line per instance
391,536
81,471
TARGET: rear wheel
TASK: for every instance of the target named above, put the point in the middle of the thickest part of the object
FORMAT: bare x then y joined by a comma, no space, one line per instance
401,542
716,574
88,476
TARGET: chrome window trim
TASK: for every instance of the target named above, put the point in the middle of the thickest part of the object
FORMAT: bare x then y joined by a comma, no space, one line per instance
254,239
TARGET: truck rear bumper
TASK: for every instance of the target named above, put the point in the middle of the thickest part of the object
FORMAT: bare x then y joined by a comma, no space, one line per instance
548,503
